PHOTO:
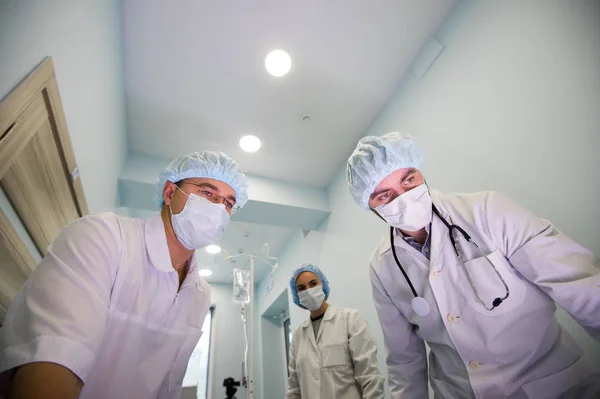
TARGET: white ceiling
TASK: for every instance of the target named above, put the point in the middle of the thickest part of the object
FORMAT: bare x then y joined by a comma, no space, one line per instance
195,76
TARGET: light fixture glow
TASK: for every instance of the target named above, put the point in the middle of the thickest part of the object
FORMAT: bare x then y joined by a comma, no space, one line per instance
213,249
205,272
278,63
250,143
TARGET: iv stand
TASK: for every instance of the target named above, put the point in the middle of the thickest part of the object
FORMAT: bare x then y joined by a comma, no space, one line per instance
250,360
250,365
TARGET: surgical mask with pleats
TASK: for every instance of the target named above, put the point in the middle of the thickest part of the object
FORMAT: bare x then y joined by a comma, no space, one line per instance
410,211
201,222
312,298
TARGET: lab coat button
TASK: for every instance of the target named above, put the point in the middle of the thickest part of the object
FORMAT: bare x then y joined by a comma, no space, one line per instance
452,318
316,376
474,365
435,273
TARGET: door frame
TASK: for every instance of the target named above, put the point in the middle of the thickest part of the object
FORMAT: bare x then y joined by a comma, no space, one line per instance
42,80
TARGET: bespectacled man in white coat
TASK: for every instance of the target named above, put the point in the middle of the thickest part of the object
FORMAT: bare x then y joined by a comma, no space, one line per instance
476,276
116,307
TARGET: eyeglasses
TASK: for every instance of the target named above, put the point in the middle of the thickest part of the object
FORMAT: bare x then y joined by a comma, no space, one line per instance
208,192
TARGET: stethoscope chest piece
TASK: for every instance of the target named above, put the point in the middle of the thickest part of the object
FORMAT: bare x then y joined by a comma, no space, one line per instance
420,306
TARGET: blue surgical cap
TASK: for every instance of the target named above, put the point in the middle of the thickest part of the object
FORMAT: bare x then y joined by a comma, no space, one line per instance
307,267
209,165
375,158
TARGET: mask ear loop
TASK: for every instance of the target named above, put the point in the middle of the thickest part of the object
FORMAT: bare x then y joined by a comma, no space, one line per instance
179,188
378,215
183,192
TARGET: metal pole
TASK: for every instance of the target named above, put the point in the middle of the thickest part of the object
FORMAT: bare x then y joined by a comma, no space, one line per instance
250,365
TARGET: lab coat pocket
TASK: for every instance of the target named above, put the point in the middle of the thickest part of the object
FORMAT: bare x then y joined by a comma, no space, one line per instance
490,286
335,355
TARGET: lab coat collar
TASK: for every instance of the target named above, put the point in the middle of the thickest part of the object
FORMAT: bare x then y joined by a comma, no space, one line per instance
437,227
329,314
156,244
439,230
158,250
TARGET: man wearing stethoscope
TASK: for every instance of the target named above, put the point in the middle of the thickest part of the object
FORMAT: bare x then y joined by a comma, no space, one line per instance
475,276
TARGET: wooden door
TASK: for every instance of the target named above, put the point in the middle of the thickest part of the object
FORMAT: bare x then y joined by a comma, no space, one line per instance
38,174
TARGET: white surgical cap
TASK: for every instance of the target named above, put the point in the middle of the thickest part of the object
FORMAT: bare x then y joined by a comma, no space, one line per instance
375,158
209,165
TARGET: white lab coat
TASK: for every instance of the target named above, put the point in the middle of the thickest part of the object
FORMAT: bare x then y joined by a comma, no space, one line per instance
104,303
517,350
340,363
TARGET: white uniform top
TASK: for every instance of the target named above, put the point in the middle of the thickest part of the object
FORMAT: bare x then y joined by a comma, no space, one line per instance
517,350
341,362
104,303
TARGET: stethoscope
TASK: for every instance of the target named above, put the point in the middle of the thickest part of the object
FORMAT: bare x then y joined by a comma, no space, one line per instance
419,305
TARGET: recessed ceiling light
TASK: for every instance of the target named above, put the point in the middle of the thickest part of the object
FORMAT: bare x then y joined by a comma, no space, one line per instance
250,143
278,63
213,249
205,272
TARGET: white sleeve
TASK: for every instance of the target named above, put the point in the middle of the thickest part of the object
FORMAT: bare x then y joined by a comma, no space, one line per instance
563,269
363,350
406,358
59,315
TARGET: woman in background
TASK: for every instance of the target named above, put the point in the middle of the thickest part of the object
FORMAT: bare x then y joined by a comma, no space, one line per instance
332,354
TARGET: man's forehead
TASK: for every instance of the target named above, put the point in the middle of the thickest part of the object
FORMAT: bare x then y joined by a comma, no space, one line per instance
220,185
393,178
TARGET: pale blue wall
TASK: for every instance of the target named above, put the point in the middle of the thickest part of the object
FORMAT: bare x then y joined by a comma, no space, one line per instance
228,335
84,40
275,381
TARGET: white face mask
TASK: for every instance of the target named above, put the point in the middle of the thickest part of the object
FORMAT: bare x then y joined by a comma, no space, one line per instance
312,298
200,223
410,211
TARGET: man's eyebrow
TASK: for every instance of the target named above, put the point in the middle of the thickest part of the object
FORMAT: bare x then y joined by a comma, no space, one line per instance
214,188
205,184
408,173
376,193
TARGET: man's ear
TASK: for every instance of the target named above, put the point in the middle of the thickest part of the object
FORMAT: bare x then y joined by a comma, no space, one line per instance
168,190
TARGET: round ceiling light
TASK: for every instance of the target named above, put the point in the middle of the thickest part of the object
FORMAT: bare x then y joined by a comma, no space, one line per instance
213,249
278,63
250,143
205,272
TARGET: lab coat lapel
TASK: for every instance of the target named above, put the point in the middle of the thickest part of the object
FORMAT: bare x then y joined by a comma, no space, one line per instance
329,314
440,240
308,330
